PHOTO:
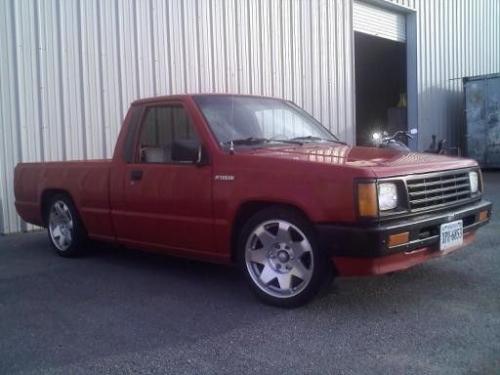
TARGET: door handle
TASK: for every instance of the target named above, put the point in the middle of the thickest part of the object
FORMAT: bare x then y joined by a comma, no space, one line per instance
136,175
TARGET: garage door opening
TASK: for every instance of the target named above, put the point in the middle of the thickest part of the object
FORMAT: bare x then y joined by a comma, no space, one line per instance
380,50
380,66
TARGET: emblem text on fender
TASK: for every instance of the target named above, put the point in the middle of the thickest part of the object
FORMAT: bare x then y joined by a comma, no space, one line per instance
224,177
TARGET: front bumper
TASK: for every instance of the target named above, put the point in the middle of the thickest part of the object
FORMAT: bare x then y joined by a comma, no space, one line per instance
364,249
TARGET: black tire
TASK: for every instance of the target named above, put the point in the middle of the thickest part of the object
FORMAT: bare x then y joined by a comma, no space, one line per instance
320,272
76,246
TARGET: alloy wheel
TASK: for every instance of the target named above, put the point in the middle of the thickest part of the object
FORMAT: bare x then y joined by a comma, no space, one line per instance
61,225
279,258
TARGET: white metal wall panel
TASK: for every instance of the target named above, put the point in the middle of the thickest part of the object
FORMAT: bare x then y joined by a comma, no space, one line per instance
456,39
10,152
69,69
381,22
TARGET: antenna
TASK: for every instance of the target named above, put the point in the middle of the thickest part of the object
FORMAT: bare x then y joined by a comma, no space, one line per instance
231,145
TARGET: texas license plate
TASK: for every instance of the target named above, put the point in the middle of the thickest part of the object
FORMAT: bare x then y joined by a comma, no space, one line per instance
452,235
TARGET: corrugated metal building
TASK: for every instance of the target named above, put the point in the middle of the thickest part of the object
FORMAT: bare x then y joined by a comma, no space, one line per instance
68,69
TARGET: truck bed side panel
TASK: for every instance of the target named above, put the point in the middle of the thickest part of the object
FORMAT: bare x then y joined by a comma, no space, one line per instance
86,182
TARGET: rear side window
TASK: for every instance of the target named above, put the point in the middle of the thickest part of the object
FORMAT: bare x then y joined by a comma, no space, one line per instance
161,127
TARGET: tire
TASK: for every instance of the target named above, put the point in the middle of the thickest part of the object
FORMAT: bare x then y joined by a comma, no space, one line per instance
279,253
65,229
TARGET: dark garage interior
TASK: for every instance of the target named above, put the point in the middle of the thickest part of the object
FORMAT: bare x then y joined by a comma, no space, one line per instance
380,66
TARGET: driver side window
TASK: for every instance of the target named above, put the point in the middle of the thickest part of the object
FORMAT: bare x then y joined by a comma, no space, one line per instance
161,128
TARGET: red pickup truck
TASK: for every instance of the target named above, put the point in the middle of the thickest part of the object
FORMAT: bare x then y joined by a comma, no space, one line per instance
259,182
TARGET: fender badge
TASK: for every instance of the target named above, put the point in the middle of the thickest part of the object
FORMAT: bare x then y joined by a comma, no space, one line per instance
224,177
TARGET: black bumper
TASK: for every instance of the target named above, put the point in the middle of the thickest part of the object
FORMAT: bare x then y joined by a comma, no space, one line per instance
369,240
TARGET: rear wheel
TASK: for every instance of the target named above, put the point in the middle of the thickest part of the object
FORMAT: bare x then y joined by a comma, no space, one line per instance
66,232
281,258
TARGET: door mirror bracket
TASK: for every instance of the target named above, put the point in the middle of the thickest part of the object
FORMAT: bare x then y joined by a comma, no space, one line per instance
202,158
189,151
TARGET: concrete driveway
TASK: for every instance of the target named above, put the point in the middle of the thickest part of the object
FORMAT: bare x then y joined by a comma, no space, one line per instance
121,311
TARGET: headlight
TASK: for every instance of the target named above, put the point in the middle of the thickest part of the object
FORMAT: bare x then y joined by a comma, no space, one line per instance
387,196
474,182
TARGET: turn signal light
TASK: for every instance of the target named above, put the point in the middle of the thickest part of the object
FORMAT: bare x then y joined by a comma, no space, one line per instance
483,215
399,239
367,199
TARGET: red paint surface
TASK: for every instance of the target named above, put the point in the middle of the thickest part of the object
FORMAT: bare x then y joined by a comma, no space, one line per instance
391,263
183,210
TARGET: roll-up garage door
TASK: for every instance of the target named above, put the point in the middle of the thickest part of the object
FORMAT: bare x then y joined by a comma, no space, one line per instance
381,22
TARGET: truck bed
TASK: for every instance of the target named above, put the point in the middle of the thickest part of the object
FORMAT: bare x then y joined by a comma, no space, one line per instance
86,181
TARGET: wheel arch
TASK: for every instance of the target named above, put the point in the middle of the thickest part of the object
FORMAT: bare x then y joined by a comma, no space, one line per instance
248,209
45,198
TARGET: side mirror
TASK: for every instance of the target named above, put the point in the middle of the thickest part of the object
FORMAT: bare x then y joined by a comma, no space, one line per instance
189,151
413,131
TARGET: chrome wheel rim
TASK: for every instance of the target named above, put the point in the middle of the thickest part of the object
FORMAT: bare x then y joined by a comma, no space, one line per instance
279,258
61,225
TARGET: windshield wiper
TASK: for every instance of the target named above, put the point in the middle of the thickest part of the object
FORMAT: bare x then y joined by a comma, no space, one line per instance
313,139
245,141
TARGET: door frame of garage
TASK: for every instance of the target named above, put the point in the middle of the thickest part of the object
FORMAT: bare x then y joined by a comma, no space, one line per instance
411,61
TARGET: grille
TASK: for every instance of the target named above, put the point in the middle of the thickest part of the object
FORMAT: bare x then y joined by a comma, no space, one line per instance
438,190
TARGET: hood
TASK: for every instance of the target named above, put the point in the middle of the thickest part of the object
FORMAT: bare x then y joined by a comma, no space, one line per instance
382,161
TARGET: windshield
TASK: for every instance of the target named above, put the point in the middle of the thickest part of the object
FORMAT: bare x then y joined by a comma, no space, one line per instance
241,120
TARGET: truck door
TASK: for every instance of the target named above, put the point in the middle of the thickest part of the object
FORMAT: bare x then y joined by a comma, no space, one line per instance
164,201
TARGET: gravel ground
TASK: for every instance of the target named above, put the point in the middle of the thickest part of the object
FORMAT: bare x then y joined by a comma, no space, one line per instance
121,311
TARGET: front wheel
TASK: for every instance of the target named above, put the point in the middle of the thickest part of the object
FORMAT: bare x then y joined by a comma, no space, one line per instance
281,258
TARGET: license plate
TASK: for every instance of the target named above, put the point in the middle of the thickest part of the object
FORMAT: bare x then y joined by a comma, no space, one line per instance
452,235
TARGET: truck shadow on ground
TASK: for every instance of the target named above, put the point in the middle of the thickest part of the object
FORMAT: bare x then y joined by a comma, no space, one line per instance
225,286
